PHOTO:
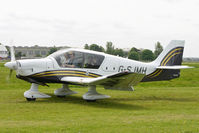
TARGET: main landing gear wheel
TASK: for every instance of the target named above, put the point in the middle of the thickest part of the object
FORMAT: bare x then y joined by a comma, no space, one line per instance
92,95
64,91
31,99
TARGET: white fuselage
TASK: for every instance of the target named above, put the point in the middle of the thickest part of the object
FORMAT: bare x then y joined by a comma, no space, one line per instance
110,64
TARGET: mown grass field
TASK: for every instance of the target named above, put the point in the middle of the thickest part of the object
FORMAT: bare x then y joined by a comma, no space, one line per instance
169,106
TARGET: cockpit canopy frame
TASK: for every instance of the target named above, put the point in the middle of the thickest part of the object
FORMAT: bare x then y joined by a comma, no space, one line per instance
78,59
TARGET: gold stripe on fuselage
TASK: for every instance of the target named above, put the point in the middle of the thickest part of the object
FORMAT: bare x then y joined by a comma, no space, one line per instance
157,74
153,73
66,75
65,72
59,72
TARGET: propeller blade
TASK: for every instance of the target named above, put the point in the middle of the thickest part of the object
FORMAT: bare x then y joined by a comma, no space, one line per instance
10,74
12,65
12,52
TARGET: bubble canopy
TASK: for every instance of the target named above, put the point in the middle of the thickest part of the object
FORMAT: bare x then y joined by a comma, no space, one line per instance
72,58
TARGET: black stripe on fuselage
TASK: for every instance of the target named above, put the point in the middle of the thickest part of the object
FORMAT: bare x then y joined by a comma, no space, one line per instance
55,76
66,73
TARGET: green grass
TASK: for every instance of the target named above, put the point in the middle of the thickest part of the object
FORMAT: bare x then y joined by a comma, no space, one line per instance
169,106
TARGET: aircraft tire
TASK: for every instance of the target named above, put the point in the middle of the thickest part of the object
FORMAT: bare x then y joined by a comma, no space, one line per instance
30,99
61,96
91,100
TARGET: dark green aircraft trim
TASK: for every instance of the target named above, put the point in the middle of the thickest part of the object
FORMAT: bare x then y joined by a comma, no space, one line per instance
55,76
66,73
173,57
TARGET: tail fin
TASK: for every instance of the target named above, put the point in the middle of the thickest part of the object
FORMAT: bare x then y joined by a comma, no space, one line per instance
172,54
168,63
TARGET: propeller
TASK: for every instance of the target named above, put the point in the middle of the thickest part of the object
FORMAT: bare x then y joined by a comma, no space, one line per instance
12,65
12,53
10,74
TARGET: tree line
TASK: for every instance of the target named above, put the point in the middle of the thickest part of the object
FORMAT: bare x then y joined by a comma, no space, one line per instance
134,53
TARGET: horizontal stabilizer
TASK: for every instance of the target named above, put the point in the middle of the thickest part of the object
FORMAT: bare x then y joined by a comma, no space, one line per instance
174,67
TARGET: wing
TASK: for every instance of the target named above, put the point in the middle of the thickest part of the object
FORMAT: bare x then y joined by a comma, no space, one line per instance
116,81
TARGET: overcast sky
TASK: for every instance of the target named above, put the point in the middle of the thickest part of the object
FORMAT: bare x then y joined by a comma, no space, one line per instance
127,23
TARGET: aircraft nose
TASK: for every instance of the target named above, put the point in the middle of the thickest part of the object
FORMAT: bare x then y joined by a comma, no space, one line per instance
11,65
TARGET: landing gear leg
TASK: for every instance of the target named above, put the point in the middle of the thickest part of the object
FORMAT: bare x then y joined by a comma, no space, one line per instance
92,95
62,92
32,94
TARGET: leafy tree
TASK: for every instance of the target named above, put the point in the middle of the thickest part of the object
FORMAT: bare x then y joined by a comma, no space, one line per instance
86,46
158,49
133,55
101,49
109,48
94,47
119,52
147,55
134,49
52,50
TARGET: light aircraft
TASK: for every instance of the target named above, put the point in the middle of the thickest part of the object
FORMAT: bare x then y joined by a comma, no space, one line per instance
90,68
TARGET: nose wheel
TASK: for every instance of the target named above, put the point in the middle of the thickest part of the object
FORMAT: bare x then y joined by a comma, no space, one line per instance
33,93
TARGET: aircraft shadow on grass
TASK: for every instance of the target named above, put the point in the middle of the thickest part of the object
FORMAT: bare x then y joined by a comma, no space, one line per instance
156,98
114,104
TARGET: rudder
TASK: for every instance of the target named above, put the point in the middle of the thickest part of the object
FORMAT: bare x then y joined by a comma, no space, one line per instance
172,54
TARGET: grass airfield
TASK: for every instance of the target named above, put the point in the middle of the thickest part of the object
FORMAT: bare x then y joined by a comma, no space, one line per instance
166,106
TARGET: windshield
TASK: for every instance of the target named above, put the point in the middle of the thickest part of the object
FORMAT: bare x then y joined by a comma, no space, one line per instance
76,59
